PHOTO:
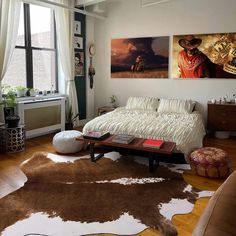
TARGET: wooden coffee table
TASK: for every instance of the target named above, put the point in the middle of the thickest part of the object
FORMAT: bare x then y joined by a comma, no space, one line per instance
167,148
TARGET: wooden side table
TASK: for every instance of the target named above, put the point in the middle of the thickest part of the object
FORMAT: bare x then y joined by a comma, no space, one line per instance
12,139
104,110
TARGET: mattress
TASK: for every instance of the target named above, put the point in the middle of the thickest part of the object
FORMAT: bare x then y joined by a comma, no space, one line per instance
186,130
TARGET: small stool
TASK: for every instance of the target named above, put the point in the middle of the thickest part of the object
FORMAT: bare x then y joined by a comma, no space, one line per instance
65,141
210,162
12,139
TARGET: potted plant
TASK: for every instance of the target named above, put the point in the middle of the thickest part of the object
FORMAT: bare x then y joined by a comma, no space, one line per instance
113,101
70,119
33,92
9,104
21,91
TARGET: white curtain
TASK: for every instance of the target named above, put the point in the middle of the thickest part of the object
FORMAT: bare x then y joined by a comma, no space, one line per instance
9,23
64,27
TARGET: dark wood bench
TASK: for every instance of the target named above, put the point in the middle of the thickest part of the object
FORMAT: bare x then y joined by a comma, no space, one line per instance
137,144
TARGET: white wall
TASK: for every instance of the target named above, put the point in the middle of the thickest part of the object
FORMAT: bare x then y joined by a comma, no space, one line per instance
126,18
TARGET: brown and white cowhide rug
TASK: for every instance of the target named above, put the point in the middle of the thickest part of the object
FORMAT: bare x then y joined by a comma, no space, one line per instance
69,196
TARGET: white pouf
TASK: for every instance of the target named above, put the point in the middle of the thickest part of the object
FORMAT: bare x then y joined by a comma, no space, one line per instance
65,141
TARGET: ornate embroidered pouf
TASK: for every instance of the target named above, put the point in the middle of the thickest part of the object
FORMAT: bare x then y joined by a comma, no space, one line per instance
65,141
210,162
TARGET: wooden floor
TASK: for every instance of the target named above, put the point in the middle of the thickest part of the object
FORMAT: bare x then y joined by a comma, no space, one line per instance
9,177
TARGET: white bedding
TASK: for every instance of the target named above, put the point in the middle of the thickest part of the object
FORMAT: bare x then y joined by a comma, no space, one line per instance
187,130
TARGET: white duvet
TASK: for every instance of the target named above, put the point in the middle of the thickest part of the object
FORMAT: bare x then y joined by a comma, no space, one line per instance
187,130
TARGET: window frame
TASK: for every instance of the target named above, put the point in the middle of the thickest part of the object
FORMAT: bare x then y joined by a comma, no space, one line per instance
29,49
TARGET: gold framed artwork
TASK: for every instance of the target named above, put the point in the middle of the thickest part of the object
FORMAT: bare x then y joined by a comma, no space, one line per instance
204,56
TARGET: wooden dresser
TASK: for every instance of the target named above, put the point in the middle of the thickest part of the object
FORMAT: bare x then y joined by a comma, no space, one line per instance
221,116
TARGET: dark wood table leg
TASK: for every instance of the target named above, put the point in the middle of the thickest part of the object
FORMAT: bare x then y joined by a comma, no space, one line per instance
156,160
153,161
93,158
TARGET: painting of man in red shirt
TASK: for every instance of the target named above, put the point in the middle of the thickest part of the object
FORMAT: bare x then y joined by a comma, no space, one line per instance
192,63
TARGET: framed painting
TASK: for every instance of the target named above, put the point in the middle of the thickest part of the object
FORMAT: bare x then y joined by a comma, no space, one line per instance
204,56
140,57
79,63
78,42
77,27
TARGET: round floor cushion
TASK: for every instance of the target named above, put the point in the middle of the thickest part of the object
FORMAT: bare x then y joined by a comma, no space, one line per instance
210,162
65,141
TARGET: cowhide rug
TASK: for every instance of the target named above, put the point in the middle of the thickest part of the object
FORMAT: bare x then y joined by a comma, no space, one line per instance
69,196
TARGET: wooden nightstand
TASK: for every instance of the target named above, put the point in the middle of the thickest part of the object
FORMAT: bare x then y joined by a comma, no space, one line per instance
221,116
104,110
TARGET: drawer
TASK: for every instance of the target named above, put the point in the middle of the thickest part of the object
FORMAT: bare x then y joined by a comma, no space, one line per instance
221,117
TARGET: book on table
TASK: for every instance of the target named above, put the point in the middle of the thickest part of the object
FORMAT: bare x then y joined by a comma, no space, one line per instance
98,135
123,138
153,143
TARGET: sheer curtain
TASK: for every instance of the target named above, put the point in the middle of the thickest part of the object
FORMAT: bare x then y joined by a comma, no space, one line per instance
9,23
64,27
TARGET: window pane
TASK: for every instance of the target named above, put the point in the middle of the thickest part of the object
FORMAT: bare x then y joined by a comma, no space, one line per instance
44,69
41,21
20,41
16,72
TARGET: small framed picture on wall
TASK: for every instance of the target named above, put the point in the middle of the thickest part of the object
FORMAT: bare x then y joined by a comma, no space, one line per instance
78,42
77,27
79,63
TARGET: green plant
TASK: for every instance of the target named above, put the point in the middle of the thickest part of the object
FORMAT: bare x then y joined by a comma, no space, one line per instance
9,99
20,88
32,91
113,101
70,118
9,102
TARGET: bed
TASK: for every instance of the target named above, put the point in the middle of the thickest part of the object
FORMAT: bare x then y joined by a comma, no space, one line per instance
171,120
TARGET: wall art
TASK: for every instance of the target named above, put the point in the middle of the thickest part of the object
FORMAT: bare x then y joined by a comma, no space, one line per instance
79,63
140,57
204,56
78,42
77,27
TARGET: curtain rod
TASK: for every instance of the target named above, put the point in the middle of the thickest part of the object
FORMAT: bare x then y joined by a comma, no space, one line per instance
46,2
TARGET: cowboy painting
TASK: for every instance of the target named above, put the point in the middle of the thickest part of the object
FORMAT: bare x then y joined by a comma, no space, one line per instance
192,63
203,56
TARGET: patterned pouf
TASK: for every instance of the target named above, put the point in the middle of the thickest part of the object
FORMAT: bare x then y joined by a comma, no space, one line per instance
210,162
65,141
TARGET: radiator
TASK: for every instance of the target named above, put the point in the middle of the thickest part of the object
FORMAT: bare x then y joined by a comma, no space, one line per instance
42,115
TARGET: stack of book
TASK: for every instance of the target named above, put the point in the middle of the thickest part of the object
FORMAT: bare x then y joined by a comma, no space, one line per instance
153,143
98,135
123,138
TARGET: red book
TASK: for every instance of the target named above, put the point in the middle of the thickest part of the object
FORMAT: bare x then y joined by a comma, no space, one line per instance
153,143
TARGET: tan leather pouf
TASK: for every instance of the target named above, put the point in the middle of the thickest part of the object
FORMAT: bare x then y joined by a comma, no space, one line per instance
210,162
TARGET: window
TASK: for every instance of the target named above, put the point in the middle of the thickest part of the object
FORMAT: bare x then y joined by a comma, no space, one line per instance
34,61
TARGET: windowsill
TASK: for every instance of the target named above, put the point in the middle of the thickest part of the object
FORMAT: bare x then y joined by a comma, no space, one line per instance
40,98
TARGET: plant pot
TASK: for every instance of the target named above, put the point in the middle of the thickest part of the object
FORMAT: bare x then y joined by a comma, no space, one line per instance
21,93
68,126
12,121
8,111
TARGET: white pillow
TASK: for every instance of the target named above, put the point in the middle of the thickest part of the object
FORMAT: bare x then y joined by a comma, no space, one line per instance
145,103
176,105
